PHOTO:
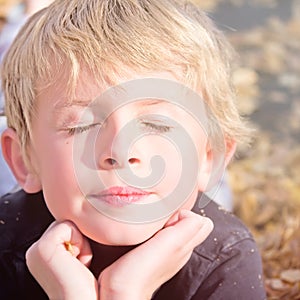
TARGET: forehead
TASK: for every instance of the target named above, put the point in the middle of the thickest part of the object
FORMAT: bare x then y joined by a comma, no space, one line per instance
184,106
60,92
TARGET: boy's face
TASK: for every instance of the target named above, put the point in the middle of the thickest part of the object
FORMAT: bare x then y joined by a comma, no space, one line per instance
94,160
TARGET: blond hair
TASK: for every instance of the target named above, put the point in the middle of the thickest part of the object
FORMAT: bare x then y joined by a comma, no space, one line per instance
105,36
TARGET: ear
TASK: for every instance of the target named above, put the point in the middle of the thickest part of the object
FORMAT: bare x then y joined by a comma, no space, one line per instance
12,153
230,150
213,165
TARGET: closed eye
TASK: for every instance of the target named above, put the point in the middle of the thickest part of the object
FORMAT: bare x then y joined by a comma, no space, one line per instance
81,128
155,127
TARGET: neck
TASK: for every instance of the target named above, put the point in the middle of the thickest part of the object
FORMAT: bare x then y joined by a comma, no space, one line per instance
104,255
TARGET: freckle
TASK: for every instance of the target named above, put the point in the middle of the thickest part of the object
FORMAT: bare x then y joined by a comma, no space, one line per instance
2,222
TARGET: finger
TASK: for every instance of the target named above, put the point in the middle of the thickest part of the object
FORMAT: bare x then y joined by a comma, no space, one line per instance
197,227
190,230
78,244
73,241
65,235
55,266
85,256
172,220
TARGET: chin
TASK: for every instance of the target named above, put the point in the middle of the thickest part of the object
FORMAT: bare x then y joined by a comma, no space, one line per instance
128,234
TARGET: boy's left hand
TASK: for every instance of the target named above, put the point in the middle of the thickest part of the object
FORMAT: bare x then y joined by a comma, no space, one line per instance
140,272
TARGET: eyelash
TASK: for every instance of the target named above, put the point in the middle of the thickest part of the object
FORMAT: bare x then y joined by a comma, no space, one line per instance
80,129
152,126
156,127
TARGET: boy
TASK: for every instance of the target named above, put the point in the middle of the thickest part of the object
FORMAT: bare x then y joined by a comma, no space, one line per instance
113,147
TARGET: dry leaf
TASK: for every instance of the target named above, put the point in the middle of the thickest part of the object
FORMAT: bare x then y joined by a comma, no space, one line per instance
291,275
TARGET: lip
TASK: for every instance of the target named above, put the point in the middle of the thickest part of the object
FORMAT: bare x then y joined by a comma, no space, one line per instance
119,196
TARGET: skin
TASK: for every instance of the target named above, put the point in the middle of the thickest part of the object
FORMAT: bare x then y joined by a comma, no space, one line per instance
32,6
52,169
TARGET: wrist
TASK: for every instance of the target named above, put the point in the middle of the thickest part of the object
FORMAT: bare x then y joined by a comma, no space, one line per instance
112,289
108,294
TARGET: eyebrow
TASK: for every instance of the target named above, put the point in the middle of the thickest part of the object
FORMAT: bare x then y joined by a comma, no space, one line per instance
66,104
86,102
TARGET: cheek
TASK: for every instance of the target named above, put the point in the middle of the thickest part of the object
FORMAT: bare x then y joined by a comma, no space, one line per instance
161,159
56,163
179,175
57,176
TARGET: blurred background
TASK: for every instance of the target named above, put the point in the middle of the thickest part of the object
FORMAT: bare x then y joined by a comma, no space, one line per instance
265,179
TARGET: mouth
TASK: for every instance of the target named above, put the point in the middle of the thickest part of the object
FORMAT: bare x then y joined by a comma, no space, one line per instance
119,196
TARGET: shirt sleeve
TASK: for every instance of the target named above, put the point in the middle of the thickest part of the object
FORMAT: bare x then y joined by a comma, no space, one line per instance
235,274
23,219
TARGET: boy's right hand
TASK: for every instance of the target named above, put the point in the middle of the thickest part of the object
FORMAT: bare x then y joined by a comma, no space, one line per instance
59,268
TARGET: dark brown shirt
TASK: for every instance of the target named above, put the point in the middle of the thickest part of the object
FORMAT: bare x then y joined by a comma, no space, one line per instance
226,265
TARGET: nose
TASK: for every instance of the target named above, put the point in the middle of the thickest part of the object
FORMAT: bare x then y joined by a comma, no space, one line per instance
117,162
115,148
